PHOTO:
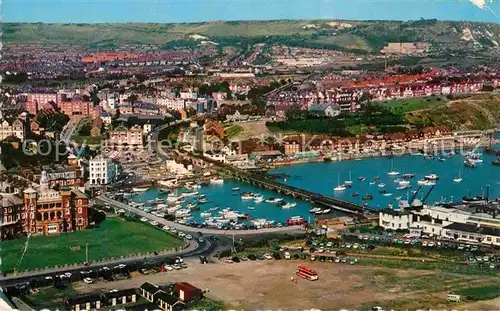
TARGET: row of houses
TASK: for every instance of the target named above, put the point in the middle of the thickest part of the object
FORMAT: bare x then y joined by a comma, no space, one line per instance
160,297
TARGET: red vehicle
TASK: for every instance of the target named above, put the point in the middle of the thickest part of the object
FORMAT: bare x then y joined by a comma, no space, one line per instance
307,273
296,221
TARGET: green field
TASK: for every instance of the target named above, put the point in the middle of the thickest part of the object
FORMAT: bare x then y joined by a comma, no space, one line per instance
413,104
481,293
233,131
114,238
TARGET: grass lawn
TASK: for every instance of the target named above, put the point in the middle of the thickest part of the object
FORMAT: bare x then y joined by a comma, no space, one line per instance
412,104
87,139
481,293
233,131
50,297
114,238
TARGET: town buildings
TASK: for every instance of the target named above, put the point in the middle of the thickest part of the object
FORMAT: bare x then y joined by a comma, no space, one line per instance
48,211
15,128
124,136
102,171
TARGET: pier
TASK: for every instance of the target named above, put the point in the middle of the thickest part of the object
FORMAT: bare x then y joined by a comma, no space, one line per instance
266,182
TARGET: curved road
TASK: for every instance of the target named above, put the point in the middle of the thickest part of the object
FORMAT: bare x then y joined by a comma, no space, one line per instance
151,217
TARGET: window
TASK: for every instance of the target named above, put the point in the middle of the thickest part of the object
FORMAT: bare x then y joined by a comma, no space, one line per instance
79,210
488,239
52,228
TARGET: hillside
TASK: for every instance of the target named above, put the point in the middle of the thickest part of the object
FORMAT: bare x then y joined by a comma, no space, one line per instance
474,113
357,36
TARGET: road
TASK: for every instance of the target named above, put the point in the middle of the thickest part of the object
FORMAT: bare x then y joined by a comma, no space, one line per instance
194,249
207,231
70,127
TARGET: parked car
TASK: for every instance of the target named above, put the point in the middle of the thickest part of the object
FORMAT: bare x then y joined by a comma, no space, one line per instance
287,255
189,237
268,257
88,280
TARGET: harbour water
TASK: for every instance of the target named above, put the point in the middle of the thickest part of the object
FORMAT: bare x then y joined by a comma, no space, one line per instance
222,196
324,177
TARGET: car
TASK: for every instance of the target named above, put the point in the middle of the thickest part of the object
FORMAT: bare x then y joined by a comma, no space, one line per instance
407,242
88,281
268,257
313,258
144,219
189,237
344,260
181,234
176,267
322,258
167,268
228,260
321,250
461,247
431,244
236,259
329,244
355,245
474,248
166,228
348,245
352,261
330,259
179,259
337,259
492,266
252,257
200,240
424,243
287,256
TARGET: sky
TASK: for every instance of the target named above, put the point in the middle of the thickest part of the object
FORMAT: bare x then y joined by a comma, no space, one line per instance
173,11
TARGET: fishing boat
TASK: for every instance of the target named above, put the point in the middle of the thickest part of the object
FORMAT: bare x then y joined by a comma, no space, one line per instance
361,178
382,185
314,210
382,191
236,189
289,205
212,209
190,194
193,207
367,197
202,201
322,212
140,189
355,194
251,208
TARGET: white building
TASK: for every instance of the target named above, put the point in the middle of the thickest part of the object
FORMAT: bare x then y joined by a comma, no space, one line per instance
171,103
395,219
102,171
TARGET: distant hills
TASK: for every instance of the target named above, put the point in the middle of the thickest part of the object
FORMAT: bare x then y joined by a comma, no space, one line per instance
355,36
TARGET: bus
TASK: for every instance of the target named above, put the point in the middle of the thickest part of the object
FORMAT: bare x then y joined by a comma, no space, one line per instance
307,273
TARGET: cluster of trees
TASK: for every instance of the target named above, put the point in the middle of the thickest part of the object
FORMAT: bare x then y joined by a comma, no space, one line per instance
52,122
208,89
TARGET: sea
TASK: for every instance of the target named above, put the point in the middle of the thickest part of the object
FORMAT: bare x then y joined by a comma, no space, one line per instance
325,176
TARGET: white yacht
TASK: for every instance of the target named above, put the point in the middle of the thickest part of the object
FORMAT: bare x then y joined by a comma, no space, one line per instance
431,177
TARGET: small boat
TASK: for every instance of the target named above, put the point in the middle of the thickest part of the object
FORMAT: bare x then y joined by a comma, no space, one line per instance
355,194
274,200
426,182
382,185
205,214
407,176
163,190
403,187
404,182
189,194
202,201
367,197
236,189
496,162
372,183
388,194
289,205
314,210
457,179
247,196
376,178
193,207
139,189
216,181
393,172
469,163
348,182
382,191
340,188
258,199
441,159
361,178
431,177
251,208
